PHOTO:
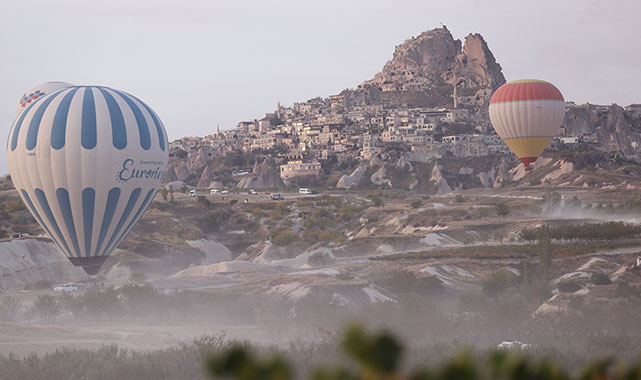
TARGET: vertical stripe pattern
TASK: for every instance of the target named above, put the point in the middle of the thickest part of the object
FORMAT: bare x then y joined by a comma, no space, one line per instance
88,161
110,209
88,130
88,206
59,128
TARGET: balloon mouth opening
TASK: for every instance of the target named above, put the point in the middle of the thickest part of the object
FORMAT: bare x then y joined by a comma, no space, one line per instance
91,265
527,161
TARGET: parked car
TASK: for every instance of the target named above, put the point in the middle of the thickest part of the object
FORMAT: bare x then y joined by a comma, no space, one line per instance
252,191
277,197
64,288
224,192
305,191
214,191
192,193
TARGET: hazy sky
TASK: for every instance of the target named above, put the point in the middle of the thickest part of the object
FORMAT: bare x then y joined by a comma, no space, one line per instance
203,63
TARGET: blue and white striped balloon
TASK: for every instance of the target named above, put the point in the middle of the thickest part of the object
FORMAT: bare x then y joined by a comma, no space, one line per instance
87,161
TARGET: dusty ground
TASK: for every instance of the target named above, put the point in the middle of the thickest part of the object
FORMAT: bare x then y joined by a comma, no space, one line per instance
456,237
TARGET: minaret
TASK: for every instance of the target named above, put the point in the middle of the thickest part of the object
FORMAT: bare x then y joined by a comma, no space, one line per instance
278,110
217,128
454,94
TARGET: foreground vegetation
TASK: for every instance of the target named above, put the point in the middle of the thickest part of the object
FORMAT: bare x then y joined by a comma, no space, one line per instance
358,354
379,356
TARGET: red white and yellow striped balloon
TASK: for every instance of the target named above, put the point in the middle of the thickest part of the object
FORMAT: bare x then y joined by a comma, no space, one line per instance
527,114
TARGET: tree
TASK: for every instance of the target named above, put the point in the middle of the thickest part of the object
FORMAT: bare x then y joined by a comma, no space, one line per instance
46,307
163,192
9,308
497,282
502,210
545,252
71,304
376,201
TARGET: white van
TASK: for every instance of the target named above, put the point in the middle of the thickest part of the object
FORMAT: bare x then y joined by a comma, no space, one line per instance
305,191
192,193
214,191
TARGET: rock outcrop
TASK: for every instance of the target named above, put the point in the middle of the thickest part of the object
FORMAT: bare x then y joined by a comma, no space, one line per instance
503,175
205,179
347,181
170,175
433,70
439,184
609,129
199,158
487,178
403,161
262,177
182,172
379,178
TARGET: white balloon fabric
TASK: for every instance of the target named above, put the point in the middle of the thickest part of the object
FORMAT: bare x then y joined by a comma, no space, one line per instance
38,92
87,161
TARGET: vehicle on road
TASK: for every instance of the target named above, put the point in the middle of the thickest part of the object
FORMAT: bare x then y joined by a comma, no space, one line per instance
192,193
64,288
252,191
214,191
305,191
513,345
224,192
277,197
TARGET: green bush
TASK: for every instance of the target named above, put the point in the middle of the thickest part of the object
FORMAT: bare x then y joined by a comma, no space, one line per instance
502,210
569,286
601,278
588,231
625,290
46,307
9,308
405,282
497,283
416,204
376,201
215,220
284,237
202,200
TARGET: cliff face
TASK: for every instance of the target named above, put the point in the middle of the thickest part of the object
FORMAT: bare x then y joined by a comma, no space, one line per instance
433,69
611,129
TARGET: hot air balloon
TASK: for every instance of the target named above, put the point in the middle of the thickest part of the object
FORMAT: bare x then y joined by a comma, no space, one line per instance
527,114
38,92
87,161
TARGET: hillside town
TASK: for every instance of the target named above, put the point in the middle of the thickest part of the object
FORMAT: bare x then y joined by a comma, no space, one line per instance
428,102
303,138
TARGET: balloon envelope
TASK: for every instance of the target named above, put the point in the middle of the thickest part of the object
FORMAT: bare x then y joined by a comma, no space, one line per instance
87,161
38,92
527,114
